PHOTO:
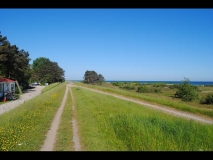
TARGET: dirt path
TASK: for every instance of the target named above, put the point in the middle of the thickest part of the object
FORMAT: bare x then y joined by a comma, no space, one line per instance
51,134
164,109
76,140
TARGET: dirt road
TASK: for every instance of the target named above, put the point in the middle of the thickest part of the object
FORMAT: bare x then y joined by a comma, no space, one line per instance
51,134
164,109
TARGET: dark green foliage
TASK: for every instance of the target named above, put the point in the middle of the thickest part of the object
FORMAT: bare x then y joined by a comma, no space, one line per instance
117,83
157,90
128,86
186,91
46,71
91,77
143,89
14,63
208,99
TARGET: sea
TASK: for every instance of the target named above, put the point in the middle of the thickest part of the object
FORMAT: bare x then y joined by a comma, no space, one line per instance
195,83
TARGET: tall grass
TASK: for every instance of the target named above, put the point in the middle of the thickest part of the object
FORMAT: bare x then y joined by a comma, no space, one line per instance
24,128
153,99
111,124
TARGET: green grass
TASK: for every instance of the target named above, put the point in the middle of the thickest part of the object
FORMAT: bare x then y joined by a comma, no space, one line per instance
111,124
105,123
157,98
50,87
64,141
24,128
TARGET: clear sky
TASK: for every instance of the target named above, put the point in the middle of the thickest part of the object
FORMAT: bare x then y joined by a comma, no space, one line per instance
121,44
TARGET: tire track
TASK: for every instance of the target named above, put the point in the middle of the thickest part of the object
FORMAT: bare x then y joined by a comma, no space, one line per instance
165,110
76,140
51,134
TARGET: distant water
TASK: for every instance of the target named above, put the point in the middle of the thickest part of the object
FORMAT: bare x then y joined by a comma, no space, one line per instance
195,83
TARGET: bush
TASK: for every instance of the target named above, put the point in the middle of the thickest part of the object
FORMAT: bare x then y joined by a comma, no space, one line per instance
143,89
208,99
128,86
186,91
157,90
116,83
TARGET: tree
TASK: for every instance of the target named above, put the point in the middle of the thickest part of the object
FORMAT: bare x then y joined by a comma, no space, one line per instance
91,77
45,70
186,91
14,63
100,79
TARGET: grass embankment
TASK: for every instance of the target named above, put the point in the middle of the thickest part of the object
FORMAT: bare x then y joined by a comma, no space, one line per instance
24,128
165,99
64,138
111,124
52,85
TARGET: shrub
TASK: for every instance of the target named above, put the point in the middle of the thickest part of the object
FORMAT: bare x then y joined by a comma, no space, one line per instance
143,89
116,83
128,86
186,91
208,99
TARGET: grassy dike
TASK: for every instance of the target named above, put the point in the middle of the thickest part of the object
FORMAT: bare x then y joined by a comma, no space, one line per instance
24,128
154,100
111,124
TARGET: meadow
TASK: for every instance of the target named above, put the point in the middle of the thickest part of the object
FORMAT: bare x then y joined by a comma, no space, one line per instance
110,124
163,97
24,128
105,123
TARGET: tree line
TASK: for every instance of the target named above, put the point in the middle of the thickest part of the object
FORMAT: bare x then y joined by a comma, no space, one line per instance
14,64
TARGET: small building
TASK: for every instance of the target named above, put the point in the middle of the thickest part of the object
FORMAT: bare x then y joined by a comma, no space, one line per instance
6,85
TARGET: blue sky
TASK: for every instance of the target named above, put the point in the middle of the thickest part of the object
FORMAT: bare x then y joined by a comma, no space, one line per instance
121,44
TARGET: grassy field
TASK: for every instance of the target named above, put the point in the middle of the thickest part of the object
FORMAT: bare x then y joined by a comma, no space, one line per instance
105,123
164,98
110,124
24,128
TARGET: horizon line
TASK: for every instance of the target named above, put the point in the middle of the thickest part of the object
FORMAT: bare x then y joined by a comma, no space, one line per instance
152,80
